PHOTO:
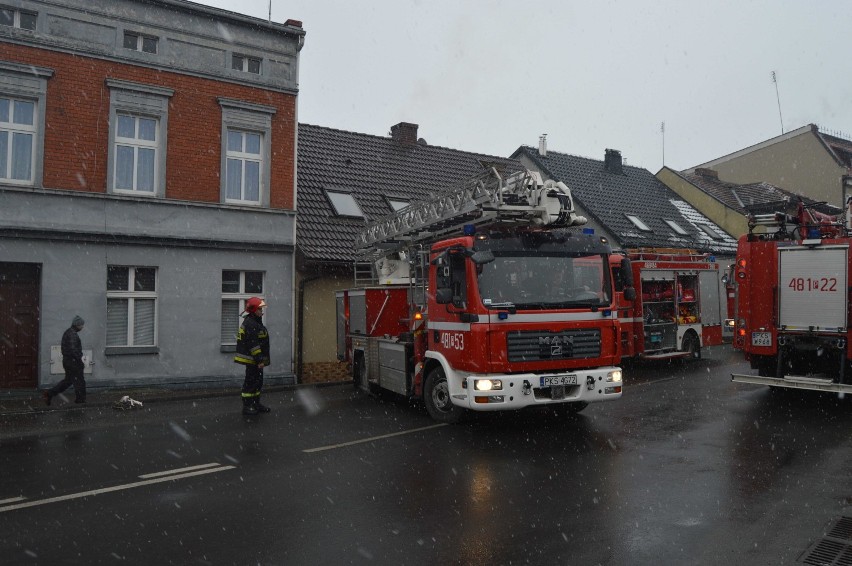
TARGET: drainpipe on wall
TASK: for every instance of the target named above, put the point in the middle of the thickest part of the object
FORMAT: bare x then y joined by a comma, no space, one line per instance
301,328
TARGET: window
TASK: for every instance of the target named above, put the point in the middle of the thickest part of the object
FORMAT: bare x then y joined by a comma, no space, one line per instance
131,306
246,152
237,287
638,222
244,163
135,153
17,138
138,125
398,204
676,227
245,64
710,231
344,204
18,18
139,42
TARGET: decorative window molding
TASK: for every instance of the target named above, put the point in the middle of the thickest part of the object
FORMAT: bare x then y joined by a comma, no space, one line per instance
246,152
131,306
23,90
138,117
237,288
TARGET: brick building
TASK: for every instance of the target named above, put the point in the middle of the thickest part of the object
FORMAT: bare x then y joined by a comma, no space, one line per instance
147,183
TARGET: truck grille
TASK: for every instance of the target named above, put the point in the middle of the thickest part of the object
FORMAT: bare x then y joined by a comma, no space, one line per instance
529,346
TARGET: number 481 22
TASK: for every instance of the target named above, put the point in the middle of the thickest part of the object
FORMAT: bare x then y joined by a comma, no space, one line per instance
827,284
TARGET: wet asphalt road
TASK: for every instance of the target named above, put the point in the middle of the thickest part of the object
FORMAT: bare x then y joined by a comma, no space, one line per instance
687,468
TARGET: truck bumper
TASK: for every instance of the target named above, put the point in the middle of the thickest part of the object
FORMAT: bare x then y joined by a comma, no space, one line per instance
794,382
521,390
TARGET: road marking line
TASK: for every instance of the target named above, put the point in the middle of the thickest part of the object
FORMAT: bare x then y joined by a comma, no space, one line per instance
11,500
178,470
372,438
111,489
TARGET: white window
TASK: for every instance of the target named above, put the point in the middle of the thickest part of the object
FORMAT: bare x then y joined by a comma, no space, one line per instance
17,18
245,64
710,231
676,227
135,153
244,164
17,139
638,222
131,306
139,42
398,204
137,137
344,204
237,287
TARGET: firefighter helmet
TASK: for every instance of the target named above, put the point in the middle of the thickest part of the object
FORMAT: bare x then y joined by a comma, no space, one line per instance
253,304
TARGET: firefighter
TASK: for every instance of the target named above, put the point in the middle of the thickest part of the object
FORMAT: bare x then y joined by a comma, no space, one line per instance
253,352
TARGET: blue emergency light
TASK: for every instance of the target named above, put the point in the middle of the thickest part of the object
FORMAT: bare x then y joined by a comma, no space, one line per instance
589,231
469,229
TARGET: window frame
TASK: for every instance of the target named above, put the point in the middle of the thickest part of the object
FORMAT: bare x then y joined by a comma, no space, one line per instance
241,296
245,61
137,144
243,157
130,295
29,83
244,116
334,208
140,42
16,17
141,101
710,231
677,228
638,222
392,202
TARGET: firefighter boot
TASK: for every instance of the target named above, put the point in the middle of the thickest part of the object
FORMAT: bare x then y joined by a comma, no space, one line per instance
260,408
249,406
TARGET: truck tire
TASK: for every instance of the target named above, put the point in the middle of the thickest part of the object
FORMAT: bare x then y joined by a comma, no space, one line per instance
692,344
436,397
359,372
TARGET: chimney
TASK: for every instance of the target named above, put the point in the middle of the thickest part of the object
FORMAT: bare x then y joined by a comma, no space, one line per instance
542,145
709,173
404,133
612,161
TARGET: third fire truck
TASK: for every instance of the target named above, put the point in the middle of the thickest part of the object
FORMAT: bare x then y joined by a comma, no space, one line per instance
678,310
792,300
485,302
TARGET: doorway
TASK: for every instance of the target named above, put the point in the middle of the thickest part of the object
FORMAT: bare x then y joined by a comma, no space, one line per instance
20,289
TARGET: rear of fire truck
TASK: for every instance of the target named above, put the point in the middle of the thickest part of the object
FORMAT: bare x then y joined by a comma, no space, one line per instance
792,301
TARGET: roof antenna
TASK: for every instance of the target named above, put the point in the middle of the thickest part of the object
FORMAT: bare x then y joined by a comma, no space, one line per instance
778,96
663,131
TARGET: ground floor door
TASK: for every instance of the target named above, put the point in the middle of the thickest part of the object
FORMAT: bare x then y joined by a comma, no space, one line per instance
20,289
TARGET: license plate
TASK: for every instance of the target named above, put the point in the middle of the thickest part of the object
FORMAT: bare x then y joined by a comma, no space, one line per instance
761,339
553,380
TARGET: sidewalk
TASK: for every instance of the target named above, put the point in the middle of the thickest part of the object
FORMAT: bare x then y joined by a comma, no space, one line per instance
30,401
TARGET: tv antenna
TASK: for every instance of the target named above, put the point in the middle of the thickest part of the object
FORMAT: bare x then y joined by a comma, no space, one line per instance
778,97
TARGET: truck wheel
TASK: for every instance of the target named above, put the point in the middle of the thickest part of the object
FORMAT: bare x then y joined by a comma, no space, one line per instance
359,372
692,344
436,396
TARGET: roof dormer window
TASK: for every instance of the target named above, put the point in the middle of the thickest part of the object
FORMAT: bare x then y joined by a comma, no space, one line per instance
638,222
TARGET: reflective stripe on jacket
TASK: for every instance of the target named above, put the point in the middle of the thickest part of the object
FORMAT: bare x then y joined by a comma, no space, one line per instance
252,342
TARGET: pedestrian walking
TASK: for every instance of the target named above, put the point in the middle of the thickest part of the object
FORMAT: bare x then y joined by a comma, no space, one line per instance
72,362
253,352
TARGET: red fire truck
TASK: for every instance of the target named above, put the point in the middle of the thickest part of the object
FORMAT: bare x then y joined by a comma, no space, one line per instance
678,309
482,304
792,300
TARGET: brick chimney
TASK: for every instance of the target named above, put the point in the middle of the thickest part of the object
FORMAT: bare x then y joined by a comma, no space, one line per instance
705,172
612,161
404,133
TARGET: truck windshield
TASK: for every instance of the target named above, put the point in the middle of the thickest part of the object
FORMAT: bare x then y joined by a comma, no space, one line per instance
545,281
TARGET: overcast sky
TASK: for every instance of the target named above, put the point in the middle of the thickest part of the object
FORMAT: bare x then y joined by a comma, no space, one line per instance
489,76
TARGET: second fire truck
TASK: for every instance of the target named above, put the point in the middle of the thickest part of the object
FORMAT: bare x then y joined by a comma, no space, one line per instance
485,302
792,309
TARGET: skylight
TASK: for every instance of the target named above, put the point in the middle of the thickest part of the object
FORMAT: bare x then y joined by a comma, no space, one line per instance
710,231
676,227
638,222
398,204
344,204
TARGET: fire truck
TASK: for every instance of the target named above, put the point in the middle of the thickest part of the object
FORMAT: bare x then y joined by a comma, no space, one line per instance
485,301
792,300
678,309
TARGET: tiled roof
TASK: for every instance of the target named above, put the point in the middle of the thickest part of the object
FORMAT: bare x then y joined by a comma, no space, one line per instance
609,197
373,169
743,197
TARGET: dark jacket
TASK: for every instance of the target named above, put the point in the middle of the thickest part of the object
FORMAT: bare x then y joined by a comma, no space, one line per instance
72,348
252,342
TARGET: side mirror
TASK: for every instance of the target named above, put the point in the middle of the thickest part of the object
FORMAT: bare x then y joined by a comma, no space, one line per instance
626,273
444,296
725,279
482,257
629,294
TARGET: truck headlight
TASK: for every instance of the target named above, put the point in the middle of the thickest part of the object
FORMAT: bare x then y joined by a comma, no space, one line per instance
488,385
614,376
730,322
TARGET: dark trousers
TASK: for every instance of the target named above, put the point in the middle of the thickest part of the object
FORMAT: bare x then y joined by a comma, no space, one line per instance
253,382
73,376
